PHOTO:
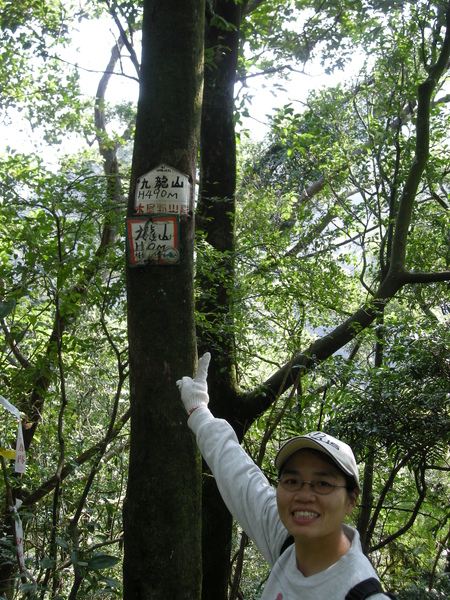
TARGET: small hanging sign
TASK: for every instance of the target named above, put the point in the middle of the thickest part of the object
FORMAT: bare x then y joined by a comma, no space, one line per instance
163,190
153,240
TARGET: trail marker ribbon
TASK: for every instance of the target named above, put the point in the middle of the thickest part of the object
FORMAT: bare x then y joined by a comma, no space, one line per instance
20,458
19,541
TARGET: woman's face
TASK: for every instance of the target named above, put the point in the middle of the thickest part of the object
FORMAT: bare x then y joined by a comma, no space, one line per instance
307,515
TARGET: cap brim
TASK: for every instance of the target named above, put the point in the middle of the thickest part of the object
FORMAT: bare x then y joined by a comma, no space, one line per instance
299,443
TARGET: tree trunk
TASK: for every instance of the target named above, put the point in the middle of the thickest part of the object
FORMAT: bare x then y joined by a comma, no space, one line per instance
216,211
162,526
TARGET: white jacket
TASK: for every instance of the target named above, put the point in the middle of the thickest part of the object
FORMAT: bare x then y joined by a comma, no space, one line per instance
252,501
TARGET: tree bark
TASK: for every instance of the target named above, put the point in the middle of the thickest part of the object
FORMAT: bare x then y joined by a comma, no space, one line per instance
162,525
216,217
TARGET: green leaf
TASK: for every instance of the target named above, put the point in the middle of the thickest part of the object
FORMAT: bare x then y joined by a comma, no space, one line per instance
6,308
110,582
47,563
102,561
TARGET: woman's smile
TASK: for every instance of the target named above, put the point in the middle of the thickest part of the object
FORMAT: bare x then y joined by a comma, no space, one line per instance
305,512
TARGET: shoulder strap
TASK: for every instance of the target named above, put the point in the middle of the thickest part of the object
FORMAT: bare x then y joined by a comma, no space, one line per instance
364,589
287,542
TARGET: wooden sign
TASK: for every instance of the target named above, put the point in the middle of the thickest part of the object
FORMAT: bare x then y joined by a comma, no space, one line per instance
163,190
153,240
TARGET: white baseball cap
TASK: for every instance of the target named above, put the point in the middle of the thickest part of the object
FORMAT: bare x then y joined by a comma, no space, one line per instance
338,451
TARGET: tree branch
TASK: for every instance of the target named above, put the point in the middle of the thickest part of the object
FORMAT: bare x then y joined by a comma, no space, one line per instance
422,489
69,468
261,398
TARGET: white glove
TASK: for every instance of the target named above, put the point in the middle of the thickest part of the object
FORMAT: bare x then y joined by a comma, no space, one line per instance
194,392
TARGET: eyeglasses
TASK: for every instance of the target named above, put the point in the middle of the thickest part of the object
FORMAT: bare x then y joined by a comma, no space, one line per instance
294,484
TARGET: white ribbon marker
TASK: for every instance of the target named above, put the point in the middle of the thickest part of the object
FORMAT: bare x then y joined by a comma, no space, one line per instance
19,541
19,467
21,459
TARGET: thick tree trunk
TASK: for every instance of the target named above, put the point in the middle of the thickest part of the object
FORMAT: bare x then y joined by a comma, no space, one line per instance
216,207
216,212
162,510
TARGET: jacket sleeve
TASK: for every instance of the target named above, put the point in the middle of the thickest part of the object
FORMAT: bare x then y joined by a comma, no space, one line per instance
245,490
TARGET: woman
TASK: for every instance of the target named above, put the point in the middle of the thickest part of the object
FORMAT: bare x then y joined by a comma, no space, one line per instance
318,487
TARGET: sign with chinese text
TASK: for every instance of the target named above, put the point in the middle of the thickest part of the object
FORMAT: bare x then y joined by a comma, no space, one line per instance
163,190
153,240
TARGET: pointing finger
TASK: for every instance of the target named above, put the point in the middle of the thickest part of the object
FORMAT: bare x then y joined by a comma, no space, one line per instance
203,364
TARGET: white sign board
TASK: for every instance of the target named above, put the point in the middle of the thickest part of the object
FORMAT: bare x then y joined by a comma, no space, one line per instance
153,240
163,190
